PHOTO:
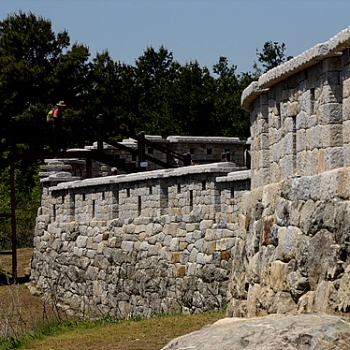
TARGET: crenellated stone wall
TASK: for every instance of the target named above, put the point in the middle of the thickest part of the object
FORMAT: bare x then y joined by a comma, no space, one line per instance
139,244
294,252
300,114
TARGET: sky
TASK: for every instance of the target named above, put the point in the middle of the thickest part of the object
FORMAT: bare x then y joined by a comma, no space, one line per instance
201,30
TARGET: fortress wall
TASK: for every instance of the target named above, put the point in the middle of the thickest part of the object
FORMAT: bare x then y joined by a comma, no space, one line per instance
293,254
297,125
299,114
140,244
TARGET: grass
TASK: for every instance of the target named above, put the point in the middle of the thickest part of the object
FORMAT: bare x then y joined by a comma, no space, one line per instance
150,334
36,327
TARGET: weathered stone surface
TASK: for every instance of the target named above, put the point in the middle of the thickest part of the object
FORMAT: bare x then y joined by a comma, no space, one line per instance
105,252
312,332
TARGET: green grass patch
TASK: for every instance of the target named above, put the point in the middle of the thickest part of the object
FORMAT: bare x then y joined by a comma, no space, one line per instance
128,334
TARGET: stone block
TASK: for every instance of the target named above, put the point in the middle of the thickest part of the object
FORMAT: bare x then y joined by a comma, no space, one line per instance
287,166
127,246
224,244
262,126
332,135
271,137
264,141
279,275
343,291
264,159
312,159
209,247
346,81
346,131
306,103
311,120
343,183
174,244
332,64
300,140
331,78
288,241
331,94
293,109
81,241
315,137
301,120
269,198
275,153
330,113
346,155
334,157
193,255
306,213
288,143
175,257
328,185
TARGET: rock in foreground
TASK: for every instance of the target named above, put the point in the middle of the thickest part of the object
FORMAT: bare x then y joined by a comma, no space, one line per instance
275,332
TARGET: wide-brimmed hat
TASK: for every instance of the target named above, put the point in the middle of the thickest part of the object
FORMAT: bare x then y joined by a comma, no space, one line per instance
61,104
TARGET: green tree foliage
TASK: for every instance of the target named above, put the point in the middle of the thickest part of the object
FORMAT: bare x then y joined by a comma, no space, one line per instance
156,95
272,55
37,68
229,115
29,51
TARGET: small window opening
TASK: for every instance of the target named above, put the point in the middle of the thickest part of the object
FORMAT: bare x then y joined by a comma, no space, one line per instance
204,184
312,101
128,192
150,190
178,188
191,199
139,205
93,208
209,151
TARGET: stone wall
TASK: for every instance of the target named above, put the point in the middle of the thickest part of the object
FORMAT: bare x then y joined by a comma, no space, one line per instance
293,253
139,244
300,114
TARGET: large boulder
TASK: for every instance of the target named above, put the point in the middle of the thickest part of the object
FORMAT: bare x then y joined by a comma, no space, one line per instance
273,332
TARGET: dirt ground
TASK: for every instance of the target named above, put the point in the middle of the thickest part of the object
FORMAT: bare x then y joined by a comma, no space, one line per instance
20,311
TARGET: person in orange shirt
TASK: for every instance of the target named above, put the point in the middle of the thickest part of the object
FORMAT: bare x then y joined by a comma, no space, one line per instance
57,113
57,124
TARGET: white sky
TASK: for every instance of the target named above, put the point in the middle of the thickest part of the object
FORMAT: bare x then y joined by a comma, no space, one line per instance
201,30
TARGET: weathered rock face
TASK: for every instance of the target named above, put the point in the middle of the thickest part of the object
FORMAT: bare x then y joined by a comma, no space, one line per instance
311,332
295,255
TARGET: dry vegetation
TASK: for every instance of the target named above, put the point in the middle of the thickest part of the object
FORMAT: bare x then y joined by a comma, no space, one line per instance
23,313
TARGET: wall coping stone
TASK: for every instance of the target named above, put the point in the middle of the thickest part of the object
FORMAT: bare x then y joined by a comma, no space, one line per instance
206,139
333,47
235,176
223,167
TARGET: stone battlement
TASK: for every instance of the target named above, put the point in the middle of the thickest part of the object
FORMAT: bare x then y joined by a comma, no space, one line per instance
300,114
139,244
